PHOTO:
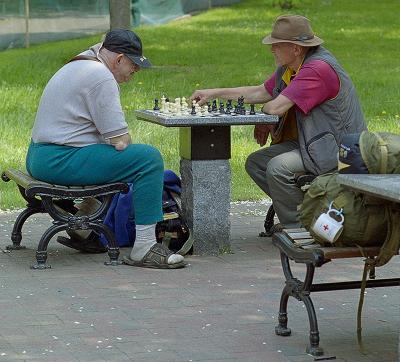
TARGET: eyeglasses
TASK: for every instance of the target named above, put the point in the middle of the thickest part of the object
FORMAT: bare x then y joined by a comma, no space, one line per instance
135,66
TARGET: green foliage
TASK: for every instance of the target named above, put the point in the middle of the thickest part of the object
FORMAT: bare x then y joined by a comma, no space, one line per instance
218,48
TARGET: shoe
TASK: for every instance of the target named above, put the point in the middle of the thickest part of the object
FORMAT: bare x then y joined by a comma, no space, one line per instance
91,245
276,228
156,258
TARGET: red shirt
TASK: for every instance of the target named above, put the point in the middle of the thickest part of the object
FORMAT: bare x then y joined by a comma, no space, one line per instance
315,83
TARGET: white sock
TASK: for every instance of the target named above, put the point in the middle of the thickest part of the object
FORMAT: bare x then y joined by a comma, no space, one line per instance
145,239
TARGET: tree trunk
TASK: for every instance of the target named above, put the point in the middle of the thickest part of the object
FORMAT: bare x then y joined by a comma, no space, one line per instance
120,14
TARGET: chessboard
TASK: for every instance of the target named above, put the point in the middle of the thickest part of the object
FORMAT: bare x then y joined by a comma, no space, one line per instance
179,114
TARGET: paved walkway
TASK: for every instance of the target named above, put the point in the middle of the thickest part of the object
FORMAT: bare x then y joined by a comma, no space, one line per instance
217,309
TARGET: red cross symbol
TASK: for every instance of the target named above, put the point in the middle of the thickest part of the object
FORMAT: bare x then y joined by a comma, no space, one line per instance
326,227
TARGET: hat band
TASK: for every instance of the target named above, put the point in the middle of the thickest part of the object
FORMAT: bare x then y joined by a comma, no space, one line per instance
302,38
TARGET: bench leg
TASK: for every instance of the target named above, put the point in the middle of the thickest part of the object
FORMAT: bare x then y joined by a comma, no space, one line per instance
301,291
16,235
41,253
282,329
113,249
314,349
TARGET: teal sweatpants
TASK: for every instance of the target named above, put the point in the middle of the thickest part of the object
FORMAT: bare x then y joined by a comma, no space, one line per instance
139,164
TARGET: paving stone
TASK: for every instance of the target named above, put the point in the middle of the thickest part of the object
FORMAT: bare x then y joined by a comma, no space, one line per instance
219,308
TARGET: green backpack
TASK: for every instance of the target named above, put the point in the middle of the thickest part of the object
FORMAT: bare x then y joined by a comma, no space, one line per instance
368,221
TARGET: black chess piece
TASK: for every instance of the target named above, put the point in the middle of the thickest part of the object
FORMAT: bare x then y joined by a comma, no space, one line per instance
229,104
221,107
214,106
193,112
156,107
209,107
252,111
236,110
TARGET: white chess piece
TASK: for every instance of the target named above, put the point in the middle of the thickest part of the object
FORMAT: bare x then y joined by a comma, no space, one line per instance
184,106
162,104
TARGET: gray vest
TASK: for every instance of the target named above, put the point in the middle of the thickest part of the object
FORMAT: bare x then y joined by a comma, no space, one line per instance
320,132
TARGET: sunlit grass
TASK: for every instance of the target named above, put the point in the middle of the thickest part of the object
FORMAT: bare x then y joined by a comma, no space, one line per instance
218,48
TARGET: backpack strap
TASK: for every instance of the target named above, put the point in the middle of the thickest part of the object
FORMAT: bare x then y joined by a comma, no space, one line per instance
389,248
189,242
384,153
392,242
84,57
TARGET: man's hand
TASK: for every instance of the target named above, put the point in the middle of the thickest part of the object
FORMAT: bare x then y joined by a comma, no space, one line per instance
261,132
121,142
201,96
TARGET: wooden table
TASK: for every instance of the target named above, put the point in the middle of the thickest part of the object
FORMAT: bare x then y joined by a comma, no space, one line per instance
205,150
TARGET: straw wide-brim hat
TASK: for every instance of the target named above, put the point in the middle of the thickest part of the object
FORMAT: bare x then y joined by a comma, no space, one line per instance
292,29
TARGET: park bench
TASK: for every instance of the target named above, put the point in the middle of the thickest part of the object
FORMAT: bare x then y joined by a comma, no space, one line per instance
43,197
298,245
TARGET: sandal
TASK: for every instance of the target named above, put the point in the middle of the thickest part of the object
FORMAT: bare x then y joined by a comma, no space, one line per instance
156,257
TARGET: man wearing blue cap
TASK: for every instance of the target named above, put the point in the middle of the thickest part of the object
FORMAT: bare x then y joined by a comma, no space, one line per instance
80,137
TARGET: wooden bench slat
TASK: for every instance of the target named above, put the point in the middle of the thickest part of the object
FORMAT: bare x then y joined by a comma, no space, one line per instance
34,187
298,236
301,248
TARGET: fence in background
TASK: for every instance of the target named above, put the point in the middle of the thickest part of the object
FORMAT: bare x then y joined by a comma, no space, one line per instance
25,22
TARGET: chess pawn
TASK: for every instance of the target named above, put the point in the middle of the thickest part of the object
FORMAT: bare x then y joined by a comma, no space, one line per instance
184,108
178,109
252,111
163,104
183,101
197,109
177,106
156,107
193,112
221,107
214,106
229,105
209,107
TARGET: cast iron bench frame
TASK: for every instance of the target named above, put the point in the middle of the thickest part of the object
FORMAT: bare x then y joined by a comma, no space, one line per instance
295,245
42,197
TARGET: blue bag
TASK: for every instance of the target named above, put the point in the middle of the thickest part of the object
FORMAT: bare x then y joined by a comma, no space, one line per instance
172,231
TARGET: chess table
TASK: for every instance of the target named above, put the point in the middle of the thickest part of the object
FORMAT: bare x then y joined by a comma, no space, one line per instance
205,150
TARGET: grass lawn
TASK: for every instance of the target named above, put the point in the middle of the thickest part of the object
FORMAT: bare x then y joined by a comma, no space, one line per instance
218,48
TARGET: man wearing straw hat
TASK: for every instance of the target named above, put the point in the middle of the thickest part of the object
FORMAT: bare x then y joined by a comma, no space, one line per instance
317,104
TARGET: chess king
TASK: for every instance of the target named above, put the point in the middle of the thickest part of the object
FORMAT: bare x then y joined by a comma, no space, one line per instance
317,105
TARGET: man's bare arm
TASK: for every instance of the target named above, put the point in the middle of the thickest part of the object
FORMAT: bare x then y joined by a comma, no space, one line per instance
251,94
278,106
